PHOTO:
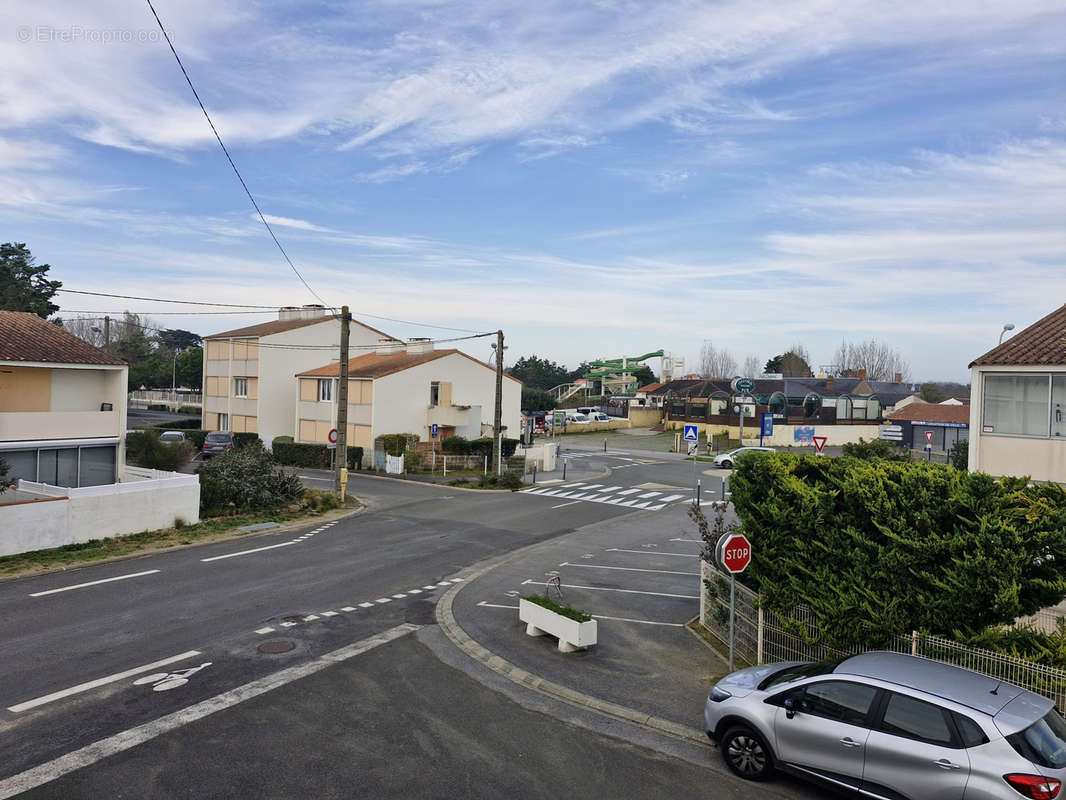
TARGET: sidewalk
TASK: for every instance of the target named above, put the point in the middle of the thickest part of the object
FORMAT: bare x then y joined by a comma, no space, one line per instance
639,577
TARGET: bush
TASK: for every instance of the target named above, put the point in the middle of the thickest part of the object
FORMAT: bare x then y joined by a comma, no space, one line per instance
396,444
178,425
876,448
1021,641
244,439
145,449
320,500
511,479
412,459
876,548
3,474
188,410
456,445
195,435
245,480
311,456
558,608
959,455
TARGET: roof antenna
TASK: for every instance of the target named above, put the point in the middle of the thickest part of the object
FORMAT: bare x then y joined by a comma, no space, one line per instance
996,690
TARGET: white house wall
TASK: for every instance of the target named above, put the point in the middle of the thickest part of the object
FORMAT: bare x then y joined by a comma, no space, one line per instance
401,400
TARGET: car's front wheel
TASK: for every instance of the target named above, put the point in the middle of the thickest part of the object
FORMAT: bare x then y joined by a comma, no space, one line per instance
727,464
746,754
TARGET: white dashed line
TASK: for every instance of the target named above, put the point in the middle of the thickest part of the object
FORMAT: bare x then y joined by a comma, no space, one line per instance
414,591
329,613
261,631
383,600
398,596
431,586
288,624
248,552
348,608
367,605
310,617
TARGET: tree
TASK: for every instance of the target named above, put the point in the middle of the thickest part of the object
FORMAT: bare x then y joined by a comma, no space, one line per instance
751,367
792,364
537,400
931,393
191,368
644,375
178,339
88,329
23,285
715,363
878,360
539,373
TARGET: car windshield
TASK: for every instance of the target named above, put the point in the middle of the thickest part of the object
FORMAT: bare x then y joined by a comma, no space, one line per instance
218,437
795,672
1044,741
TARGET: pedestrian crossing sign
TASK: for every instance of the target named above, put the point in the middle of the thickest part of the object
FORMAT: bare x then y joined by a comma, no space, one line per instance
692,433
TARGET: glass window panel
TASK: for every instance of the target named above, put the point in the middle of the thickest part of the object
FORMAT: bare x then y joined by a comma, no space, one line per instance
839,700
916,719
1016,404
20,464
97,466
46,467
1058,405
67,467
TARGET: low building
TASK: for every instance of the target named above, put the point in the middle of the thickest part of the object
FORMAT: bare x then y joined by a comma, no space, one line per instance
248,372
62,405
940,425
405,389
1018,403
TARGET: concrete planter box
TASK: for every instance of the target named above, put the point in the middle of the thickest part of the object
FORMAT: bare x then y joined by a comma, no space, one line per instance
572,635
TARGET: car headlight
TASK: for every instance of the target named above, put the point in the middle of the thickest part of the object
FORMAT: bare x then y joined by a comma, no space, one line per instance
719,694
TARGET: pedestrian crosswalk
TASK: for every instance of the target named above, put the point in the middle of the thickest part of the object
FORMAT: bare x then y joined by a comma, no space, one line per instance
611,495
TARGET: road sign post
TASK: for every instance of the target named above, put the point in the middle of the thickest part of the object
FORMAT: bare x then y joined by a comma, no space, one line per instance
733,553
692,437
767,428
929,445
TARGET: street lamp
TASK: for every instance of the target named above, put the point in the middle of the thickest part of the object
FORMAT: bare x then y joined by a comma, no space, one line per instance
1008,327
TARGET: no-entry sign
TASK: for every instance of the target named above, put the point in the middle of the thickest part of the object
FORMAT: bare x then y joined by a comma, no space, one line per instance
333,436
734,552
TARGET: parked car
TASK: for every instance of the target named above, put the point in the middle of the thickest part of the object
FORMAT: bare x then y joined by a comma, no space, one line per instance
726,460
889,725
599,416
217,442
576,419
172,437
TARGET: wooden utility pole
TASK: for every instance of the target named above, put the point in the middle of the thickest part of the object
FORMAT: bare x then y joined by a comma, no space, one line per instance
341,457
497,419
107,333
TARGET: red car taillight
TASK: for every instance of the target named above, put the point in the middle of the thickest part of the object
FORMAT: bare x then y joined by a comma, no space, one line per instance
229,447
1036,787
205,447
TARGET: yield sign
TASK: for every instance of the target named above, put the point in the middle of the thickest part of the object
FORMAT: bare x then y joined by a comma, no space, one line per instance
819,442
928,437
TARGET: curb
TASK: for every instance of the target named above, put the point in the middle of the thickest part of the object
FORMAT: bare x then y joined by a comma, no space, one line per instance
459,637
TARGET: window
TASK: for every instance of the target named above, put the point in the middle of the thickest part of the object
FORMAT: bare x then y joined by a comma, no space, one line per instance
839,700
240,387
434,393
97,466
325,390
916,719
1044,741
1058,405
971,732
1016,404
223,422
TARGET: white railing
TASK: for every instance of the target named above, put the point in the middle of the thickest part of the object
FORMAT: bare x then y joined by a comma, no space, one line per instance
165,396
761,637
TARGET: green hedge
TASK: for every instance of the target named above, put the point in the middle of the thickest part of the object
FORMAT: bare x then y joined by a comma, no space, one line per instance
478,447
559,608
876,548
311,456
244,439
179,425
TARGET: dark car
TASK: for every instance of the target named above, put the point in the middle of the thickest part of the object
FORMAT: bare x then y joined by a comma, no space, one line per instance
217,442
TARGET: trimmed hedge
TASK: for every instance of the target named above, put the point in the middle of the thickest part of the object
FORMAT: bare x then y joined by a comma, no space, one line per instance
311,456
478,447
179,425
244,439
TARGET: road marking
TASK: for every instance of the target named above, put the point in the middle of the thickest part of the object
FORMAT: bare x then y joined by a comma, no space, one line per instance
310,617
366,605
267,629
439,585
94,583
649,494
247,552
700,541
671,498
348,608
573,485
629,491
84,687
399,596
627,569
458,580
414,591
600,616
431,586
564,505
624,591
656,553
329,613
610,488
383,600
656,508
288,624
593,486
120,742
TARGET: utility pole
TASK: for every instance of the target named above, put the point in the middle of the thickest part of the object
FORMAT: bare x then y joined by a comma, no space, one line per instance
341,459
497,419
107,333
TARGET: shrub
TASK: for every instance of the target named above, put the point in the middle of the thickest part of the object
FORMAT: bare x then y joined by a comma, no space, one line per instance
875,548
876,448
311,456
396,444
320,500
244,439
245,479
3,474
959,455
145,449
558,608
511,479
456,445
413,459
178,425
486,481
179,523
1021,641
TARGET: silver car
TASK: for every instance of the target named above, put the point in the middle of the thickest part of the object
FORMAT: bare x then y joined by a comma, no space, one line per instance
727,460
890,726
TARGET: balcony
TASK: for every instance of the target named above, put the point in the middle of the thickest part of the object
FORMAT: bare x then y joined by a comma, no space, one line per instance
17,426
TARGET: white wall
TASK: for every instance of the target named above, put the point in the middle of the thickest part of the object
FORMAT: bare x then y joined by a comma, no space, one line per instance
97,512
401,400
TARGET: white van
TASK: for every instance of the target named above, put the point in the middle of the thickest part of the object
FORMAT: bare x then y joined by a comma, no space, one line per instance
576,418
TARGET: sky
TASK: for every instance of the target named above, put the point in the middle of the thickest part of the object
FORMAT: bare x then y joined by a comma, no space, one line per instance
598,179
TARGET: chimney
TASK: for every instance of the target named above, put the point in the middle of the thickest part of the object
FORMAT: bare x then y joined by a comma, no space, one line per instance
830,384
898,377
389,347
419,345
288,313
312,311
862,374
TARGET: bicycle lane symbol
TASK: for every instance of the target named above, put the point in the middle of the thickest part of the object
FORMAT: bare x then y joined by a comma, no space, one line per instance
169,680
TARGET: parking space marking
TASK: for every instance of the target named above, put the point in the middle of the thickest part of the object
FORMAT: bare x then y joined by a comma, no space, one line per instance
564,505
265,630
628,569
656,553
624,591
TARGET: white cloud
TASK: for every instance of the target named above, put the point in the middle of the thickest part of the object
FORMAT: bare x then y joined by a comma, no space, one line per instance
298,224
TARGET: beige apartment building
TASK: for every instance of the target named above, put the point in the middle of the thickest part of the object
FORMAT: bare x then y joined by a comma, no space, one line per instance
1018,404
249,373
62,405
405,389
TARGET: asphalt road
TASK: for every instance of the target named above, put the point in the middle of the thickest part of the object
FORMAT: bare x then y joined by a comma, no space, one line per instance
93,652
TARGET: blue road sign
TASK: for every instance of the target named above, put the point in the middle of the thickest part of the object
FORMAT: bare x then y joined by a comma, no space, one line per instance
692,433
767,424
433,430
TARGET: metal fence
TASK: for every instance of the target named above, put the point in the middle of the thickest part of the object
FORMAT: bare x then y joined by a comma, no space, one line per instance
761,637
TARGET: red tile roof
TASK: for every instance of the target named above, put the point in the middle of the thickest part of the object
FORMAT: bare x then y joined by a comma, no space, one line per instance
375,365
651,387
931,412
1043,342
280,326
27,337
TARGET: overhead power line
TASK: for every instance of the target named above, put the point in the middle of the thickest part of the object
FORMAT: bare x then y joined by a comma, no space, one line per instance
161,300
116,314
236,171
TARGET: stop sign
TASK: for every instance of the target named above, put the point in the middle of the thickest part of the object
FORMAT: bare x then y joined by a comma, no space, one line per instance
734,552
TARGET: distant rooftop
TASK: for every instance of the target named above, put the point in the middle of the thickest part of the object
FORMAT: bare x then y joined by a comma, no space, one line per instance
27,337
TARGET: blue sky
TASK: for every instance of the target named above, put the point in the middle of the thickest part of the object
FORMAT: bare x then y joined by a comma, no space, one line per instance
599,179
